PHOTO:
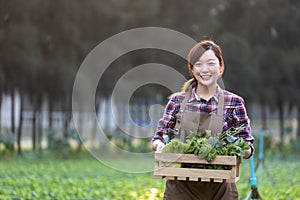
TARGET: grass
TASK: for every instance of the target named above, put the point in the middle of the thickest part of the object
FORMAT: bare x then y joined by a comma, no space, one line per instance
278,178
83,177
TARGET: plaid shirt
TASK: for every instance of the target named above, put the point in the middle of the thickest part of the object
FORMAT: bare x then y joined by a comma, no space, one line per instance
234,114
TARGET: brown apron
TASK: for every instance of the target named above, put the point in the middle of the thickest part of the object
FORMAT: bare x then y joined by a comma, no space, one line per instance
191,190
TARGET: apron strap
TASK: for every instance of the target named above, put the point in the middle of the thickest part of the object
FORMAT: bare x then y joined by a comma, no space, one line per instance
221,103
181,111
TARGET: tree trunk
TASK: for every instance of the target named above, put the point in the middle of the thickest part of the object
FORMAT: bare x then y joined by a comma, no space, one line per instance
1,111
39,121
40,129
67,117
106,120
13,111
19,133
50,121
80,131
34,126
50,113
94,129
298,124
281,120
66,124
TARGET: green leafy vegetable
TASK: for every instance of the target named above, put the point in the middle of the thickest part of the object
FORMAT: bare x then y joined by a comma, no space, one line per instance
204,145
207,146
175,146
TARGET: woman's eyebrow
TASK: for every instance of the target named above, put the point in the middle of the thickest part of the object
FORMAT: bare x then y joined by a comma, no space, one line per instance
211,59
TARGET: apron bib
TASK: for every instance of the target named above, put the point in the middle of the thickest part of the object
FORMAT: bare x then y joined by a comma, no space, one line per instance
191,190
189,121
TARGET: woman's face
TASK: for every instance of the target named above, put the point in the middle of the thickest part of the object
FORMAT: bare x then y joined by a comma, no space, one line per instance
207,69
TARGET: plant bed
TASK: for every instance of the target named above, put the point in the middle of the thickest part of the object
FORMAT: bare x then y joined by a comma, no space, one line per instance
189,167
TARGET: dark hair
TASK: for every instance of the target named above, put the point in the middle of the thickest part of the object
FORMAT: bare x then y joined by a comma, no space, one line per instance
197,51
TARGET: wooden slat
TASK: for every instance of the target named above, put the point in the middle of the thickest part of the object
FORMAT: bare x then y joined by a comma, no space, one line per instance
193,179
182,178
205,179
237,167
170,177
165,168
159,176
218,180
191,172
190,158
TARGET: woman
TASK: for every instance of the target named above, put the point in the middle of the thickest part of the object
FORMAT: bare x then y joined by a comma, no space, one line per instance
203,105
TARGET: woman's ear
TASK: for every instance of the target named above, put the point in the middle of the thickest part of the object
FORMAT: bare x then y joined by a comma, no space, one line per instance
221,70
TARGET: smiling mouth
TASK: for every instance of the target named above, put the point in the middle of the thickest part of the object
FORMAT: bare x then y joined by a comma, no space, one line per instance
205,77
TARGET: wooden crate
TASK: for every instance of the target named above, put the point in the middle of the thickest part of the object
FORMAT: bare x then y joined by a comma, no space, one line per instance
164,168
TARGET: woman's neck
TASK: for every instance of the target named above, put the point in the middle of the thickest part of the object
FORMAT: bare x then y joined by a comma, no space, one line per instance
206,92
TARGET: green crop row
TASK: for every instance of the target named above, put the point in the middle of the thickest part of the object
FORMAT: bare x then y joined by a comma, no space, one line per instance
86,178
71,179
277,178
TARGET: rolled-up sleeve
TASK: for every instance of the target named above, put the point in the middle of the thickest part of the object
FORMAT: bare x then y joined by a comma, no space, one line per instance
243,119
168,120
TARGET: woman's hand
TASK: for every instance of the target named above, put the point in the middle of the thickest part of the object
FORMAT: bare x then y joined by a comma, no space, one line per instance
247,153
158,146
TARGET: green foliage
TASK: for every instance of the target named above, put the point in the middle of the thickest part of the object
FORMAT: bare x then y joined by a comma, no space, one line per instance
289,149
295,146
275,148
269,142
175,146
86,178
206,146
62,145
8,140
279,178
129,143
143,146
81,178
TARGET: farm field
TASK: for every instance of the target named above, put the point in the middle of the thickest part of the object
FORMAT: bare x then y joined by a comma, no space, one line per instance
87,178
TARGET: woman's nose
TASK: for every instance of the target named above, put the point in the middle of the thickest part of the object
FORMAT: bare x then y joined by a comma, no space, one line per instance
204,68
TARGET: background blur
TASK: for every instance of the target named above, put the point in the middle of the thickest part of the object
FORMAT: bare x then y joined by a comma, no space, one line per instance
44,42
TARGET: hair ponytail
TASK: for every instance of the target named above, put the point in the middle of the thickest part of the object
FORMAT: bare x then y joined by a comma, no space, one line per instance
189,83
